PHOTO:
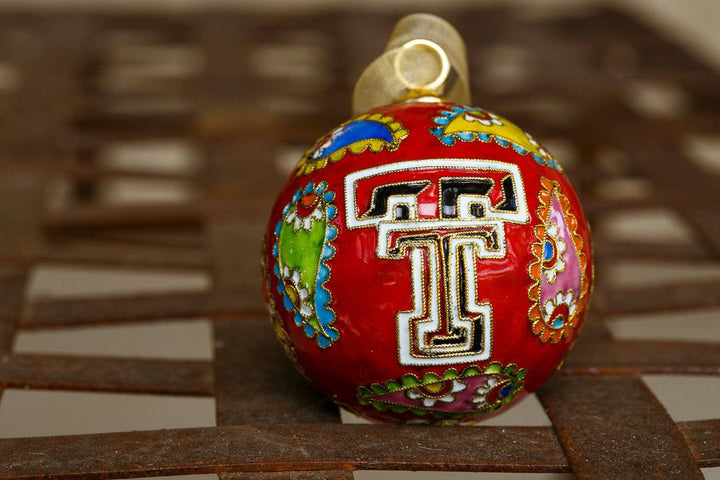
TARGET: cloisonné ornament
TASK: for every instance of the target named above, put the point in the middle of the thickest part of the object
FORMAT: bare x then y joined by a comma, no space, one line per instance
427,261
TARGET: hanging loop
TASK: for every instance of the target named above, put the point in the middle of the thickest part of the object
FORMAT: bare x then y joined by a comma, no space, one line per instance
424,60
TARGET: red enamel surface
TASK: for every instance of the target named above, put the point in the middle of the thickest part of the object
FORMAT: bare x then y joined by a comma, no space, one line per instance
367,292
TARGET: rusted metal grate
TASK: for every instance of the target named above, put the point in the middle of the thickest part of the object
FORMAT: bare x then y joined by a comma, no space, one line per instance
248,90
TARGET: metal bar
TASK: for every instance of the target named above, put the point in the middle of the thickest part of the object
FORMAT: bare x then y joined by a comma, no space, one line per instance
647,251
694,295
313,475
174,237
12,289
97,217
52,313
694,193
323,446
91,172
97,128
631,357
614,427
128,375
704,442
96,253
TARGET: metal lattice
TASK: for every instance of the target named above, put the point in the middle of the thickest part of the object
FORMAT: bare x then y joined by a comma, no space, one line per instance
242,114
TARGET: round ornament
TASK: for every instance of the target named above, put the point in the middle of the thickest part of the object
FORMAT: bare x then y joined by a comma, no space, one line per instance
427,261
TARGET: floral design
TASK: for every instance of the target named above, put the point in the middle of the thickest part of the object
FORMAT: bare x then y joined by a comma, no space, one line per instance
303,246
296,293
436,392
298,221
449,397
467,124
553,250
496,388
557,311
484,117
560,288
373,132
544,154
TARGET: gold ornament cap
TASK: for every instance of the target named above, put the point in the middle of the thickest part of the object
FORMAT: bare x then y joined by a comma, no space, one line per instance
425,60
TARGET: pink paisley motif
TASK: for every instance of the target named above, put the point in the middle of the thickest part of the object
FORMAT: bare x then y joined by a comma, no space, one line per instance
560,285
458,402
569,279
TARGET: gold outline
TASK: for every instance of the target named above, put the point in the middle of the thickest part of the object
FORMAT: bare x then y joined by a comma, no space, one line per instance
306,165
538,326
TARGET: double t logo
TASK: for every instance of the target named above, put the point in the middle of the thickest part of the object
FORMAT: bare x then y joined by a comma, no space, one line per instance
446,324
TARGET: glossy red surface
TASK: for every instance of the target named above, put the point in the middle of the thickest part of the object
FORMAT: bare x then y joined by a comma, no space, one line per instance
367,292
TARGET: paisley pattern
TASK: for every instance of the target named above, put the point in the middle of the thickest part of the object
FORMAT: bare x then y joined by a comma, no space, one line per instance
475,124
559,273
451,395
373,132
303,246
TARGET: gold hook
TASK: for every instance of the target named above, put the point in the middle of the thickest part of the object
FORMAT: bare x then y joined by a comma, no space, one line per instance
410,46
424,60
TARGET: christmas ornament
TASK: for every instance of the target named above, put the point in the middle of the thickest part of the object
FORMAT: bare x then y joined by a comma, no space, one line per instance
427,261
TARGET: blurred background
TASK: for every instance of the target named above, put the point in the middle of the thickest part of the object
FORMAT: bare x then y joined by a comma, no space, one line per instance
693,24
692,21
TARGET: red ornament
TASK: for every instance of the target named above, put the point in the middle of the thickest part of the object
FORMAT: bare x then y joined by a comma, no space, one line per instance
427,262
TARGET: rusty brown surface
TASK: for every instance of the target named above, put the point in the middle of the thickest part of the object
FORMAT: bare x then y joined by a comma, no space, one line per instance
575,75
51,313
313,475
132,375
129,216
12,288
284,447
702,440
626,356
178,237
121,255
696,295
694,192
614,427
648,251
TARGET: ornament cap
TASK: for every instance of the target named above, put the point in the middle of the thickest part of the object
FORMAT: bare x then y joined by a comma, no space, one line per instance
424,60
